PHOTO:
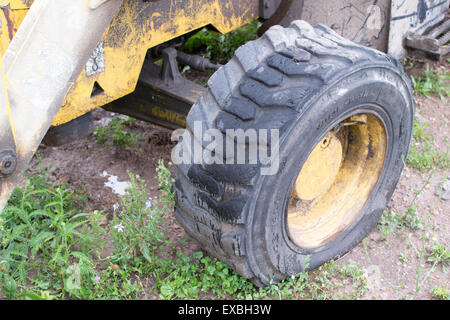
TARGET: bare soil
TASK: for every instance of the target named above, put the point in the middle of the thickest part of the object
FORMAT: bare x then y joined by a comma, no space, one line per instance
82,164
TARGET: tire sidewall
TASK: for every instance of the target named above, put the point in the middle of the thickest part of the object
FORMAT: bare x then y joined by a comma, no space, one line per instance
380,90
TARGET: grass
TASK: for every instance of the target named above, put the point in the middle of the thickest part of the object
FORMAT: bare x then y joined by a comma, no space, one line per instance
50,249
439,254
423,155
45,241
220,48
440,293
431,83
115,133
424,251
392,222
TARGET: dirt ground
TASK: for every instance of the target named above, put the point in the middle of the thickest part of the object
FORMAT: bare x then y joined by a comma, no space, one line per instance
89,165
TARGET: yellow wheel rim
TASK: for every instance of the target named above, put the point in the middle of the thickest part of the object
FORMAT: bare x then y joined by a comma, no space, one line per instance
336,181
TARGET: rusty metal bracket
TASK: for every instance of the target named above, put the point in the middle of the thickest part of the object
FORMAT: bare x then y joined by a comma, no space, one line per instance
170,73
156,102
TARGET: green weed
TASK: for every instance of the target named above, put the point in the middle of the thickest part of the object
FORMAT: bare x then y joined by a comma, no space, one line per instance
403,258
439,254
431,83
423,154
45,240
165,185
51,251
220,48
115,134
391,222
137,229
440,293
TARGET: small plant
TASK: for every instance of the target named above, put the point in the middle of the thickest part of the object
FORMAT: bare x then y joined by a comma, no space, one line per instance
137,230
42,233
411,219
391,222
410,62
439,254
431,83
403,258
114,133
440,293
189,278
423,154
220,48
165,185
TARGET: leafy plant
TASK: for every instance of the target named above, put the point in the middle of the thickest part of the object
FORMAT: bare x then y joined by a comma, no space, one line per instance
411,219
431,83
165,185
440,293
114,133
50,250
423,154
439,254
41,229
137,230
391,222
220,48
403,257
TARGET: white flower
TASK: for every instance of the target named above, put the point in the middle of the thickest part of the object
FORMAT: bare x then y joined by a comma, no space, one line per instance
115,206
119,227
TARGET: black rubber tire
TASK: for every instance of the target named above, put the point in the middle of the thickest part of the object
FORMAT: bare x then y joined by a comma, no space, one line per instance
300,80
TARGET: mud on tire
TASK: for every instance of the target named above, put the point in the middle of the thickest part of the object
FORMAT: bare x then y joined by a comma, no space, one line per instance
300,80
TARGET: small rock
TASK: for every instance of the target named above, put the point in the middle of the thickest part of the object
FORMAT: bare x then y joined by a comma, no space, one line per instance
446,195
445,190
103,221
106,252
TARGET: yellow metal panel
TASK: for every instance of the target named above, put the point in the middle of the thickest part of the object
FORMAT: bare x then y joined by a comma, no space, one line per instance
320,170
137,27
133,32
10,22
16,4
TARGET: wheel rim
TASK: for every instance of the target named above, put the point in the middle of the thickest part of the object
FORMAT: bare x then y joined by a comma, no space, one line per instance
336,180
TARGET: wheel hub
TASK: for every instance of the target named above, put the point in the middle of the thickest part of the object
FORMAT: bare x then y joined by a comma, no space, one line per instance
320,170
336,180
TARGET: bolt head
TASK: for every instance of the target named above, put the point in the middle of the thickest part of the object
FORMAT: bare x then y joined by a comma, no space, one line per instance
8,162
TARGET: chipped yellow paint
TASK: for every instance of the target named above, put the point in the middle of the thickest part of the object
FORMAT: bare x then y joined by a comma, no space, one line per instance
16,4
137,27
170,116
314,222
10,21
320,170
